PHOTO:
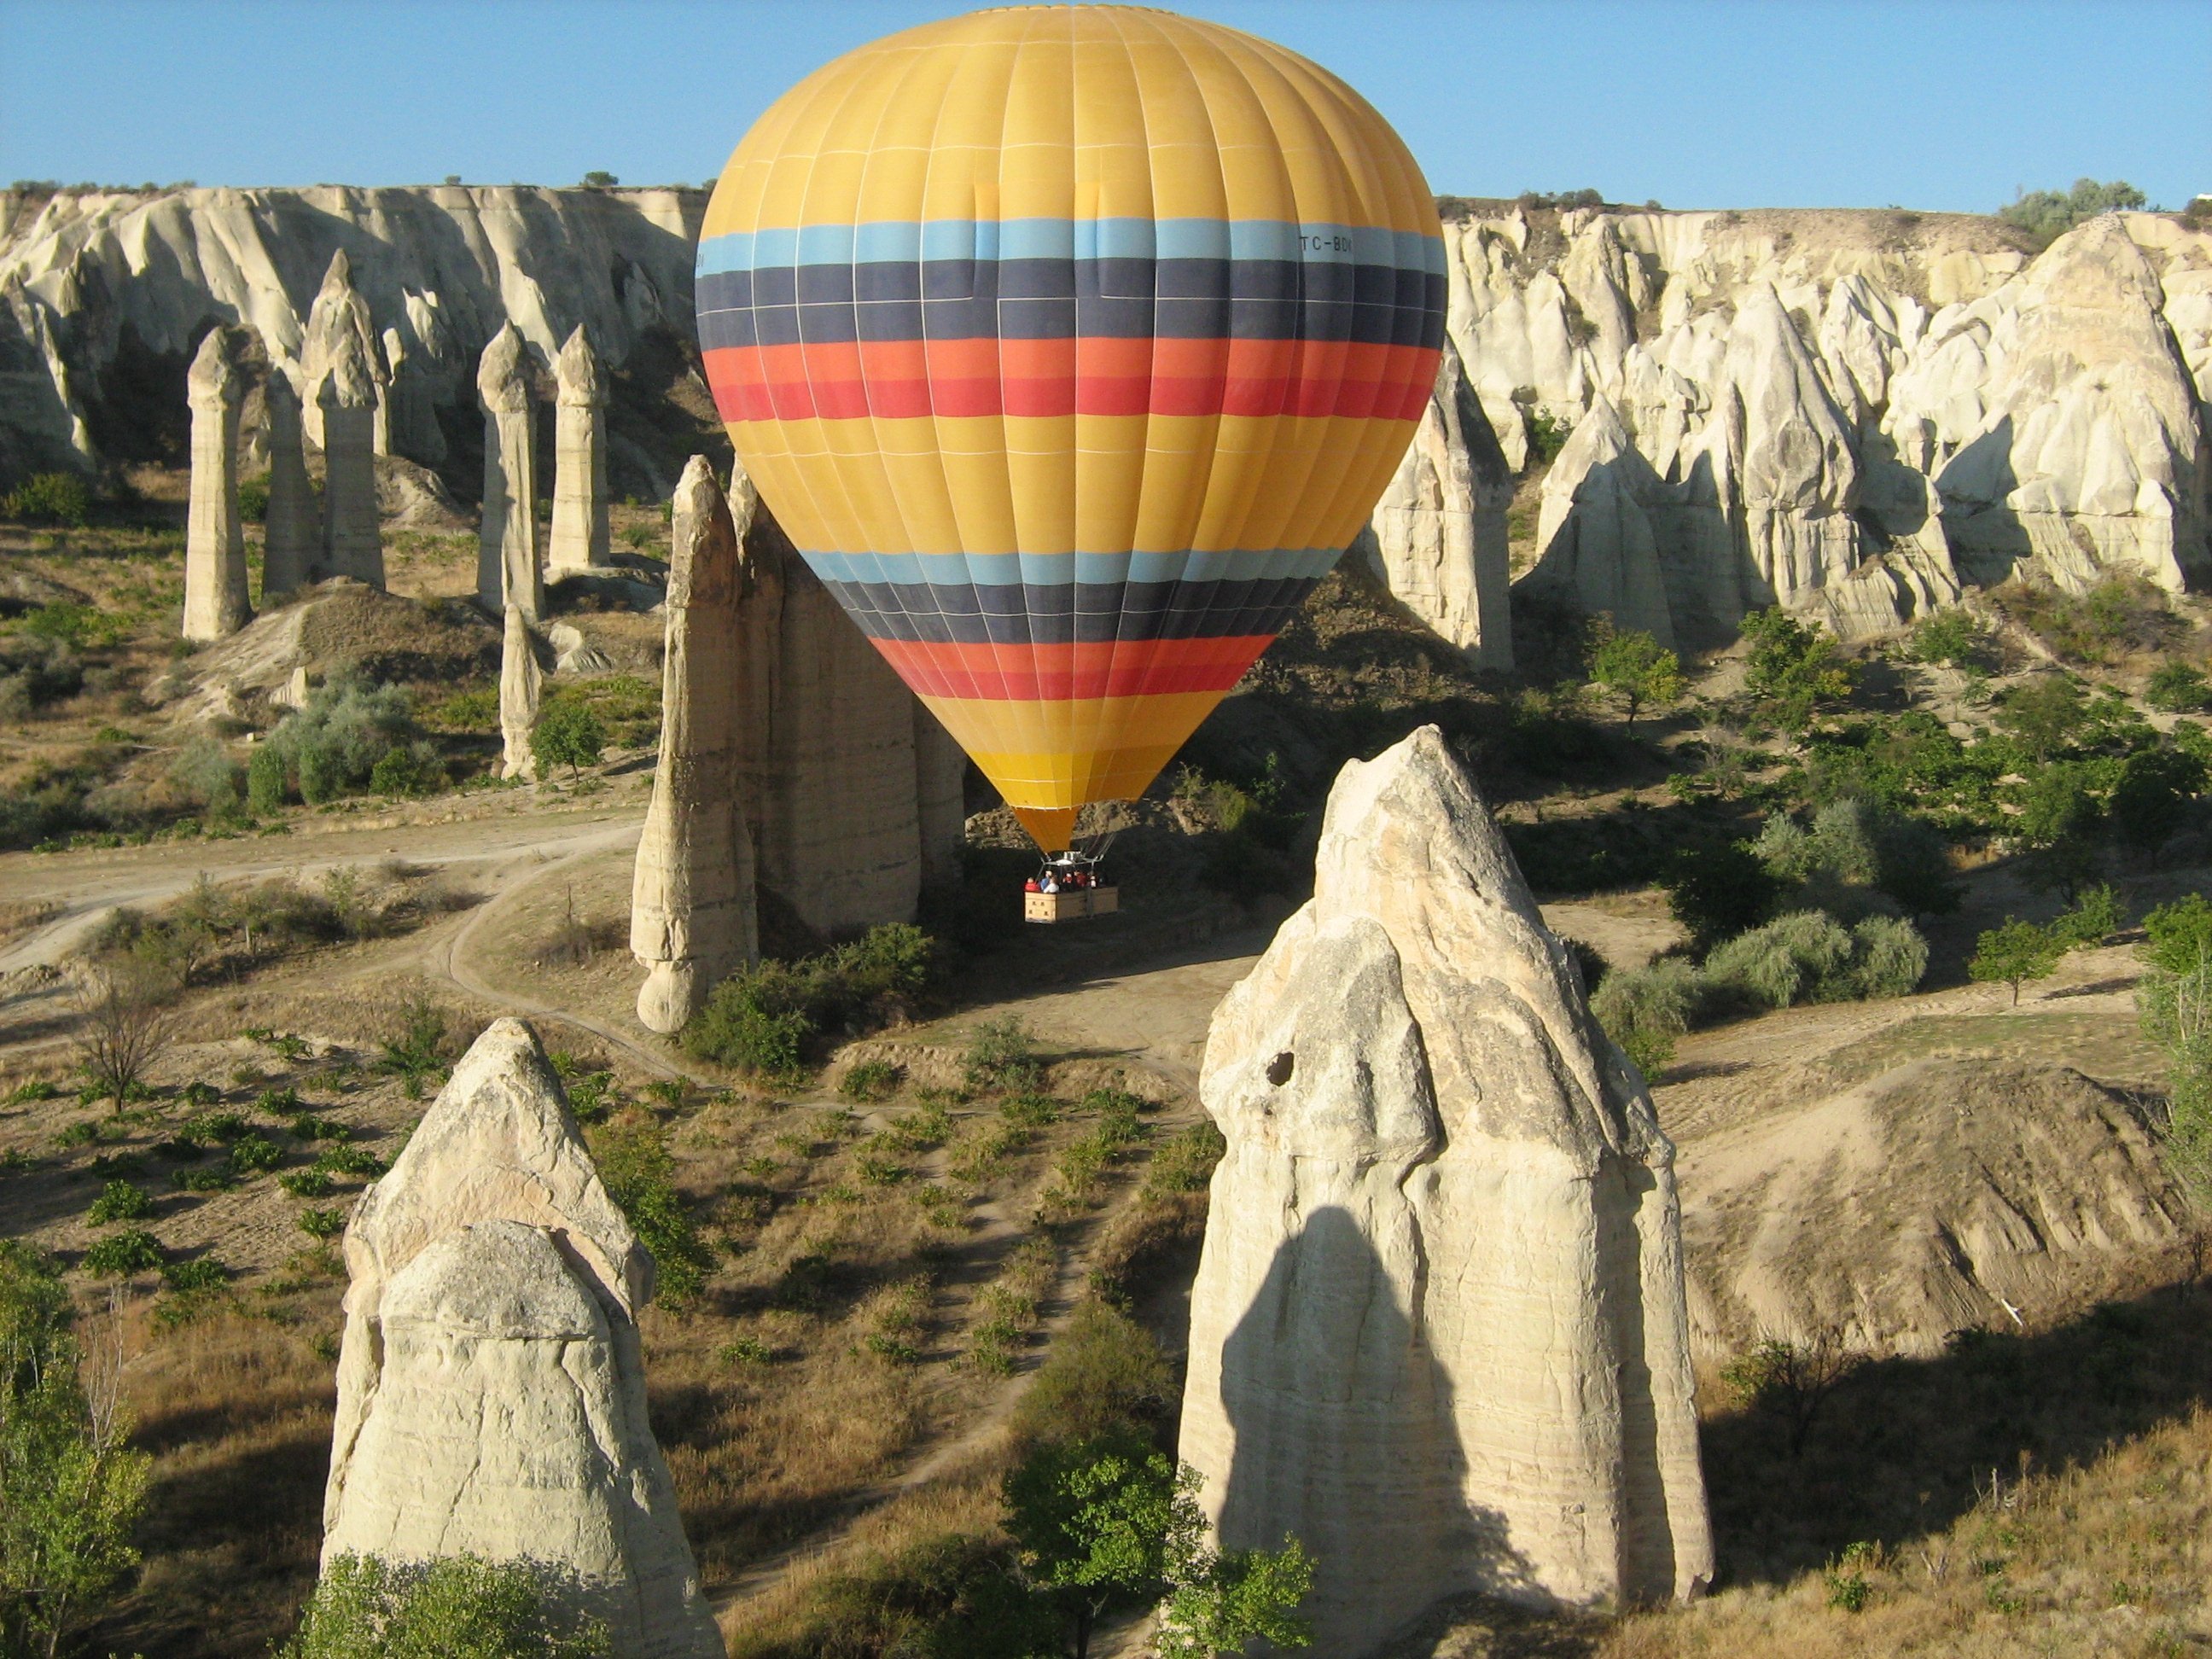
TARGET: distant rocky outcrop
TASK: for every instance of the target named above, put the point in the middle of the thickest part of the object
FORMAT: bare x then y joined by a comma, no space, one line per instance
1438,1331
104,293
1437,537
1848,414
491,1394
215,599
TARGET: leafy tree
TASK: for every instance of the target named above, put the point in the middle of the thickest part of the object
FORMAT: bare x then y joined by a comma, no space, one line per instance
2097,915
2181,935
1111,1519
600,179
2047,215
1716,890
2014,953
2177,687
460,1606
567,733
2045,715
2152,797
265,782
1950,637
1795,669
71,1487
1637,670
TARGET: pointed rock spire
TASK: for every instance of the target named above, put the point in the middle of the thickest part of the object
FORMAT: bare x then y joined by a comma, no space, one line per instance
216,603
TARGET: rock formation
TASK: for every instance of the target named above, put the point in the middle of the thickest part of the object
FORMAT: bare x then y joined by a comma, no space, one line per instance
848,792
1438,537
339,324
215,598
508,569
692,918
353,541
1600,553
519,685
491,1394
579,459
1438,1331
292,534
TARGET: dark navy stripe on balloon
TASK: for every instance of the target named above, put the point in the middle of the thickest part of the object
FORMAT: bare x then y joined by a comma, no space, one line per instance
1193,298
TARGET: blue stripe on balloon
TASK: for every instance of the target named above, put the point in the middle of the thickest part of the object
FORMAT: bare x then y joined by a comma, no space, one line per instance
1113,238
1060,570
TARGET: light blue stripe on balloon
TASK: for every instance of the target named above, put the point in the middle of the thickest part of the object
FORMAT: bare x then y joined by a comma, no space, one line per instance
1059,569
1114,238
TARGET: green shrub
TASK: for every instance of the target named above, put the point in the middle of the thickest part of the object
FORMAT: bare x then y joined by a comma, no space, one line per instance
764,1020
120,1254
1637,670
218,1179
2097,915
1809,956
120,1201
59,498
1890,956
1645,1009
1185,1161
2177,687
458,1607
205,1273
2151,799
1718,888
253,499
348,1161
631,1151
2047,215
321,1223
871,1080
1950,637
407,769
1795,669
1001,1053
332,743
255,1155
307,1183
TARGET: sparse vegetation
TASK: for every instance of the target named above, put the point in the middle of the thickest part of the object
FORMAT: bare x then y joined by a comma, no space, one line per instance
2047,215
458,1607
768,1019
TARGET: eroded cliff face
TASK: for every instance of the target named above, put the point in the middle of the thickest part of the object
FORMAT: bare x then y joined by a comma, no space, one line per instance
103,296
1849,414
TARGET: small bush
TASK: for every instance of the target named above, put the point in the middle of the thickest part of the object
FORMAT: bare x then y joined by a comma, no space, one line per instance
2181,935
119,1255
567,733
632,1154
869,1080
1001,1053
2177,687
120,1201
2096,915
321,1223
205,1273
1810,956
307,1183
56,498
1645,1010
1185,1161
2047,215
456,1606
349,1161
255,1155
217,1179
1951,638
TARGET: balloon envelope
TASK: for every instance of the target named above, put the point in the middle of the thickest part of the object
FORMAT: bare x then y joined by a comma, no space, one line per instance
1071,346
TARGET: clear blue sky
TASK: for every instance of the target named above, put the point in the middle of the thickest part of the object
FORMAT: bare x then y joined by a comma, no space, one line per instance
1943,104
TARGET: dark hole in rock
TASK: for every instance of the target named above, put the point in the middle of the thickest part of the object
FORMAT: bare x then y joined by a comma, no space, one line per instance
1279,1069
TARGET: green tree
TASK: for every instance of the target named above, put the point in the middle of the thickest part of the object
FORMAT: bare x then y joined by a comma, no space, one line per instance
1950,637
600,179
567,733
2152,797
2047,215
2180,935
266,782
2045,715
1111,1519
458,1608
2177,687
2014,953
1716,890
1795,669
1637,670
70,1488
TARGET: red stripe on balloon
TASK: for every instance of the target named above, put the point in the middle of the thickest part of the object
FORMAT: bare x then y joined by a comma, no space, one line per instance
1094,668
894,381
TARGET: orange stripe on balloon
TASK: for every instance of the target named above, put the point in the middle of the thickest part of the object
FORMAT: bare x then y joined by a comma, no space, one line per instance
1091,668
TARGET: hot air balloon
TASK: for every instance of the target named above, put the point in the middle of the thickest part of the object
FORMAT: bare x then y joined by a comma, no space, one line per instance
1071,346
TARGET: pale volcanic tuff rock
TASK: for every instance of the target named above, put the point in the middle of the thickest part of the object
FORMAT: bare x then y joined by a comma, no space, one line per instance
1438,537
580,538
520,684
292,532
353,537
507,568
693,914
215,598
88,277
1438,1331
491,1394
1846,413
337,323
